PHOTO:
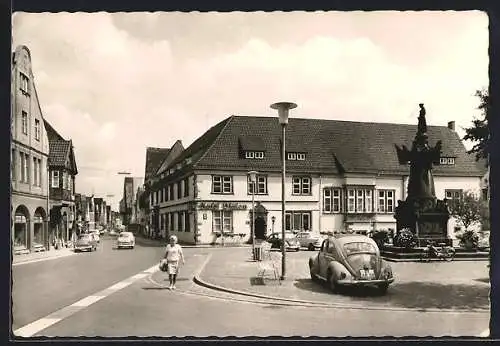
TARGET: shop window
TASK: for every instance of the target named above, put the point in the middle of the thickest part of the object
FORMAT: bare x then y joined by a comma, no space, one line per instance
38,229
20,231
298,221
222,219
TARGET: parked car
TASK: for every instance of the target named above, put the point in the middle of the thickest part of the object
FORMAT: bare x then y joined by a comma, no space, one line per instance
85,242
351,260
291,241
312,241
112,232
96,236
125,240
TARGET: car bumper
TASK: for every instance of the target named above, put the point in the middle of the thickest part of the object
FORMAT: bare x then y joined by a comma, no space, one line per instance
83,247
292,247
364,282
120,245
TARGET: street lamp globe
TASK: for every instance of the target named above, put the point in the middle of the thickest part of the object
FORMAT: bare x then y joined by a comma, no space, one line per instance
252,175
283,108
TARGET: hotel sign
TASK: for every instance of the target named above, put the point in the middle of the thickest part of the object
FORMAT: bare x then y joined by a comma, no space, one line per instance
219,206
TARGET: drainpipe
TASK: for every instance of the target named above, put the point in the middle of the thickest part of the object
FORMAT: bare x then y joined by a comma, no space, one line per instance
320,202
48,205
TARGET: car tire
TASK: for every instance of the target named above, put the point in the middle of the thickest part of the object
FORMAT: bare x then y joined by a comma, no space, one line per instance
331,283
382,288
298,249
310,247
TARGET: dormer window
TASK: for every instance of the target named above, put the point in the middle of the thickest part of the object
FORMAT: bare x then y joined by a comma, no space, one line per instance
254,155
188,161
447,161
296,156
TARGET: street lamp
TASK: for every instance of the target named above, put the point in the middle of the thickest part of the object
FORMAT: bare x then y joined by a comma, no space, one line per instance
253,175
283,108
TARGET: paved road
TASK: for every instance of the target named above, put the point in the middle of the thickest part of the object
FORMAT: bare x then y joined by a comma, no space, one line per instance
145,308
43,287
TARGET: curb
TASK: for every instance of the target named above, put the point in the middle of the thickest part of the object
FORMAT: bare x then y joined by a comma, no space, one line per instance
201,282
41,259
190,246
415,260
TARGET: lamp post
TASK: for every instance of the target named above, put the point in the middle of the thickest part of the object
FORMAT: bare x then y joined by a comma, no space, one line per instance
253,176
283,108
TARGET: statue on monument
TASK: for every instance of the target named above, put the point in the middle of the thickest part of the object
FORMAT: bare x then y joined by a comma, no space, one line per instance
421,212
421,158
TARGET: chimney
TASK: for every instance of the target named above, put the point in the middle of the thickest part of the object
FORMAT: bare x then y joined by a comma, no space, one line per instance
451,125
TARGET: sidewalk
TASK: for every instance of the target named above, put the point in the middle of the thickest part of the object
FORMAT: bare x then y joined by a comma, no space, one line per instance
234,271
40,256
163,242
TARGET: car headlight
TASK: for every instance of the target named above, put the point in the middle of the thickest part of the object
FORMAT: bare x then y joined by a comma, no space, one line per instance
343,275
387,273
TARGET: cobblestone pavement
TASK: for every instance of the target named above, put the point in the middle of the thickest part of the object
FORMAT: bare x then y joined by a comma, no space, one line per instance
458,286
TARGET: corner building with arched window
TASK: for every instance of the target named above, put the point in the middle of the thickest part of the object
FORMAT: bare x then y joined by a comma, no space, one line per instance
29,156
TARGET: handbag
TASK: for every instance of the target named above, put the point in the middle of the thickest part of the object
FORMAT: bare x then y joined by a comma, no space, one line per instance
163,265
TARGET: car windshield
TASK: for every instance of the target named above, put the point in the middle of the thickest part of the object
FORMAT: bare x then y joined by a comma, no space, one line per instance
124,235
84,236
359,247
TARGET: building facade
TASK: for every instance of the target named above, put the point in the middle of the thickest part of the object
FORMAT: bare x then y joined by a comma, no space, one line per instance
339,175
29,158
62,176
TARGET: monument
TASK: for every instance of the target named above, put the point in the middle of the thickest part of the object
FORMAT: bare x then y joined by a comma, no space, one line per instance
421,212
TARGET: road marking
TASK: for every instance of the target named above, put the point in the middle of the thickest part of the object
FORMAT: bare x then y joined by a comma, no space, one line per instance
37,326
87,301
119,286
139,276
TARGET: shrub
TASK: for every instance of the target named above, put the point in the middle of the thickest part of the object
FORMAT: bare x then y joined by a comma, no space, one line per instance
380,237
468,239
405,239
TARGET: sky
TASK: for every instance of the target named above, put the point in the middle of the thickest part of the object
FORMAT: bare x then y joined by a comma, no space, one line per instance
116,83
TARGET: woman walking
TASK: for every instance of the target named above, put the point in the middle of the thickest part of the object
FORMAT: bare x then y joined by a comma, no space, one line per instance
173,254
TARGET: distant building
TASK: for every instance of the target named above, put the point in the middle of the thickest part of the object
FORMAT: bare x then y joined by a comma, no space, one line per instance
128,203
29,159
339,174
157,161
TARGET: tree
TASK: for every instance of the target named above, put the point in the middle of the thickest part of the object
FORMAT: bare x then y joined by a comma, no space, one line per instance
479,133
469,209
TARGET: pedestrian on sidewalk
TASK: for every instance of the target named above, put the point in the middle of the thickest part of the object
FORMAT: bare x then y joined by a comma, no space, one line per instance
173,255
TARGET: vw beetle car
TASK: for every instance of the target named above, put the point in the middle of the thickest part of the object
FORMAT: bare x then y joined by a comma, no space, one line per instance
291,241
86,242
351,260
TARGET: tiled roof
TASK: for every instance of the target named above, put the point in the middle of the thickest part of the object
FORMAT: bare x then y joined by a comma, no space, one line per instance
58,152
154,157
204,143
331,146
